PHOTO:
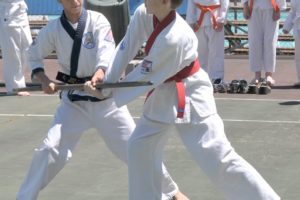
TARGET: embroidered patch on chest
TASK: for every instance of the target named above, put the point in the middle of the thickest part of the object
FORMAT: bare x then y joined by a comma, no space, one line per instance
146,67
88,40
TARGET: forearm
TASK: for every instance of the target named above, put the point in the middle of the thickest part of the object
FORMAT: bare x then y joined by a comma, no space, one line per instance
49,87
223,11
41,77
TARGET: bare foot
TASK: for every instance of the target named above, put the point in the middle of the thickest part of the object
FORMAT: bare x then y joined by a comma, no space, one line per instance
180,196
23,94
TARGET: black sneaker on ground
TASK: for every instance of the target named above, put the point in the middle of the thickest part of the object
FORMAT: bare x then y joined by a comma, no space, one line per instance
217,81
234,86
243,88
264,87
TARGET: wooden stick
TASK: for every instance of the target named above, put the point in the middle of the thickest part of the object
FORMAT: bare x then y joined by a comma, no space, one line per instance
81,86
28,84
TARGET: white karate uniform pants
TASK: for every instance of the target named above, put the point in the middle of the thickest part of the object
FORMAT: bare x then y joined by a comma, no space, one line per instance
211,51
262,38
70,121
297,53
14,42
209,147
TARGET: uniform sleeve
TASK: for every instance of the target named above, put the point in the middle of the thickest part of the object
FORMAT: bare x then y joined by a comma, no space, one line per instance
223,11
41,47
105,42
127,49
191,12
289,22
281,4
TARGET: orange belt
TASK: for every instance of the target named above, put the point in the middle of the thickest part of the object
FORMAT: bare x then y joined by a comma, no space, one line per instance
205,9
184,73
274,5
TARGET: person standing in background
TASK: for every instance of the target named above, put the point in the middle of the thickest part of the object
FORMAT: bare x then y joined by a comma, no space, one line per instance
263,23
15,39
293,22
207,18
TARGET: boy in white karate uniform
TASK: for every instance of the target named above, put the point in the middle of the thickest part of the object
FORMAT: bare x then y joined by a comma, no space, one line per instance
180,101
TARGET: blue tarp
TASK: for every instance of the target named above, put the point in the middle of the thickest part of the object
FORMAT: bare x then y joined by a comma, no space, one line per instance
43,7
51,7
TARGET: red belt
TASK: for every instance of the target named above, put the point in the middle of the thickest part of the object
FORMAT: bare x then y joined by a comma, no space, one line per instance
184,73
274,5
205,9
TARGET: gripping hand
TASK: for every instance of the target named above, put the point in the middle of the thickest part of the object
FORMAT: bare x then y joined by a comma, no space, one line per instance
90,89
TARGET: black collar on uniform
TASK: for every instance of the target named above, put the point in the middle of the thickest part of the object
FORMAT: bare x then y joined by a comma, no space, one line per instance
76,35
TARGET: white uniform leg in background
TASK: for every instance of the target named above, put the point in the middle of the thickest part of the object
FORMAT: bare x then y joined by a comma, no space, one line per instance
210,51
270,42
297,54
203,50
210,148
14,42
262,33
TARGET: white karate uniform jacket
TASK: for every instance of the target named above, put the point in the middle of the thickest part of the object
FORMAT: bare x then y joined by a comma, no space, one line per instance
193,13
15,13
54,37
160,64
266,4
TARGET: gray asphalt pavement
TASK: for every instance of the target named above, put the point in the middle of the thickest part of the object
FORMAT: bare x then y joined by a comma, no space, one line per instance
266,132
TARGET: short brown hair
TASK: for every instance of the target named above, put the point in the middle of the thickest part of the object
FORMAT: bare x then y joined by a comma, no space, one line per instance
175,3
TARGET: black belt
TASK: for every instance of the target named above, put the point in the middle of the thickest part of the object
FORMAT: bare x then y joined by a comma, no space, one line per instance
76,97
71,79
75,80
